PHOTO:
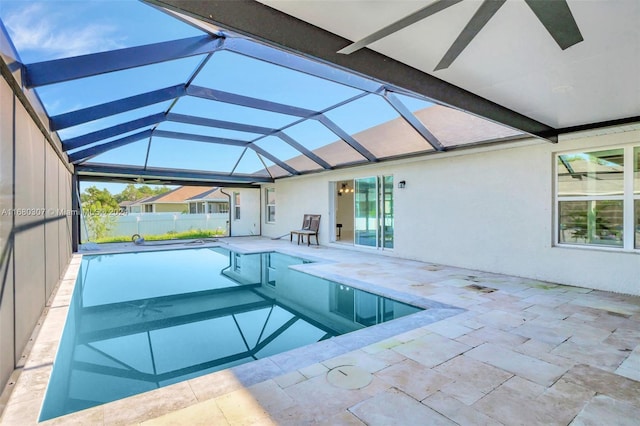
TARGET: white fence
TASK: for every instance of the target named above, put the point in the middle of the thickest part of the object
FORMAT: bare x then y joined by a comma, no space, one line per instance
162,223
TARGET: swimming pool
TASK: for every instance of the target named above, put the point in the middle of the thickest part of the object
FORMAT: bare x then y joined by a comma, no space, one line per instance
140,321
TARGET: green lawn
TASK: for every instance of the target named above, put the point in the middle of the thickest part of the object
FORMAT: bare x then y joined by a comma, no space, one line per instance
187,235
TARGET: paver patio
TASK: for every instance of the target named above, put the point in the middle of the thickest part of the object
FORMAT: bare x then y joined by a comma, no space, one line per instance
529,352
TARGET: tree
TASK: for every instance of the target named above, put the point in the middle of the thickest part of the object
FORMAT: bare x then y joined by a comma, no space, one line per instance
99,209
133,192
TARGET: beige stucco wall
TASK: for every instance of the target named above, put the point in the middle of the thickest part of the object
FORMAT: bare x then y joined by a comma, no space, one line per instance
490,210
171,207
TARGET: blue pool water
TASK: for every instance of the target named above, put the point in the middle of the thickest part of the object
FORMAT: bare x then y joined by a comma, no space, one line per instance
140,321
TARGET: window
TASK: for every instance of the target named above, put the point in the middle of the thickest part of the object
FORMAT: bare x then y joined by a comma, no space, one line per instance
219,207
598,198
197,208
148,208
236,206
270,199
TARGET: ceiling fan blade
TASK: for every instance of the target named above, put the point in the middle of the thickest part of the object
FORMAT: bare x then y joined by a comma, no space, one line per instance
410,19
485,12
558,20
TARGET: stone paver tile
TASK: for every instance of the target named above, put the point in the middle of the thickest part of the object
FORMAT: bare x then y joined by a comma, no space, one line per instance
214,385
548,300
524,366
587,333
602,356
257,371
358,358
542,351
470,340
617,307
394,407
149,405
545,312
563,401
270,396
390,357
554,333
314,370
42,353
304,356
472,379
502,320
514,306
31,384
317,400
413,379
448,329
344,418
473,324
630,368
22,412
431,350
92,416
584,316
201,414
408,336
514,403
604,382
457,411
493,335
381,346
604,410
623,338
242,408
534,347
460,300
287,380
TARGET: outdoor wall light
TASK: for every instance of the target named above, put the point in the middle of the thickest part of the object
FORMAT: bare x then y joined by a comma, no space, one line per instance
402,184
344,189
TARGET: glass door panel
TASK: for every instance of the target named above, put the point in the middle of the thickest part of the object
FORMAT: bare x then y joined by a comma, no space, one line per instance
366,212
387,212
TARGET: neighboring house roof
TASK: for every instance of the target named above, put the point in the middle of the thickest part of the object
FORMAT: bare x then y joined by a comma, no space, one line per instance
138,202
397,137
126,203
214,194
178,195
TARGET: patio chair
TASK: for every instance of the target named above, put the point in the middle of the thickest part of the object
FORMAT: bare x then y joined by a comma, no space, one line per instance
310,225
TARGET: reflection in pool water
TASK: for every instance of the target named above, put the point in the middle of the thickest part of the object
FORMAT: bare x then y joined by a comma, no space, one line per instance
140,321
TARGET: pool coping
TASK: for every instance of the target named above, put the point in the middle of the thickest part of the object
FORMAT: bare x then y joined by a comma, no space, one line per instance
26,396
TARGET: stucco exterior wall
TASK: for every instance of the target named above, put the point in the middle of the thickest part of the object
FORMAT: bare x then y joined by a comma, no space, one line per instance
491,210
171,207
250,212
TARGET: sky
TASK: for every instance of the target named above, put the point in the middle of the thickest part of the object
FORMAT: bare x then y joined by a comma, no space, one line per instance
47,30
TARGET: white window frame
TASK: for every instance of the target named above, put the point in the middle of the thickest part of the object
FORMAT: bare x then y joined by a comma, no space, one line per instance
268,206
236,206
628,200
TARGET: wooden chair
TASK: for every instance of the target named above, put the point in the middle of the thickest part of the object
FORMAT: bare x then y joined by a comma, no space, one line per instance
310,226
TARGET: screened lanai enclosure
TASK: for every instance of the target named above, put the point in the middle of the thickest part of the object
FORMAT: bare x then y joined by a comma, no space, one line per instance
172,98
484,154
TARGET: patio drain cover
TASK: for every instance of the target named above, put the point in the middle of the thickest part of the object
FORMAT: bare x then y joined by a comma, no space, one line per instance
349,377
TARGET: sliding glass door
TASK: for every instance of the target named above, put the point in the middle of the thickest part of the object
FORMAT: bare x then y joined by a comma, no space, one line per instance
366,212
387,212
373,209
